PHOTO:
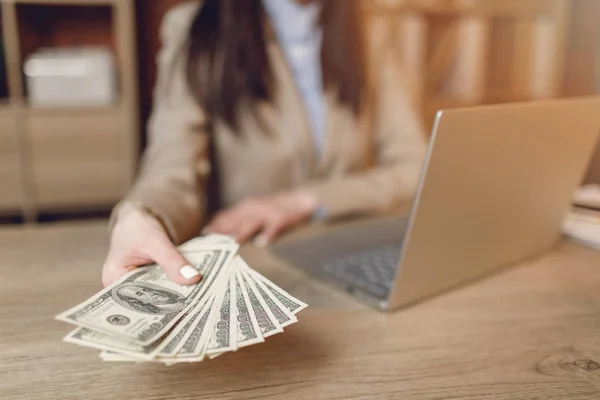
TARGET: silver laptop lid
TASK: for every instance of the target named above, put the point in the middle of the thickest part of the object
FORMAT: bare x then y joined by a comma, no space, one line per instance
497,183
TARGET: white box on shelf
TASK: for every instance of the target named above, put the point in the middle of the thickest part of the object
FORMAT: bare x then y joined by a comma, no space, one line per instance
71,77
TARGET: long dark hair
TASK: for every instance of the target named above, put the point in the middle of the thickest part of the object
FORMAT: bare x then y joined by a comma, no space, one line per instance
228,66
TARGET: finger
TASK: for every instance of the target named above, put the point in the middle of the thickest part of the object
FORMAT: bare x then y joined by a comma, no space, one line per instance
224,223
245,230
177,268
237,224
271,230
228,222
210,225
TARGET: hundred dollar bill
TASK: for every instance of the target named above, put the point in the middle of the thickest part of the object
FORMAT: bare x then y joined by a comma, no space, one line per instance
290,302
195,344
283,315
223,336
176,342
108,356
96,340
210,241
248,331
145,304
189,342
264,316
195,348
184,328
178,335
129,350
116,357
191,351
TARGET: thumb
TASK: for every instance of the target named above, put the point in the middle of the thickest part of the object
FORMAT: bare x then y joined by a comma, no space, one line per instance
177,268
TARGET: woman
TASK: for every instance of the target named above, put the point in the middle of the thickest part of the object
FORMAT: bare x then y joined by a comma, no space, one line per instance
270,113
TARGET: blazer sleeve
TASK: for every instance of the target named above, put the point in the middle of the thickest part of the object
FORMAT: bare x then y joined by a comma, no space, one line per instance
175,165
399,145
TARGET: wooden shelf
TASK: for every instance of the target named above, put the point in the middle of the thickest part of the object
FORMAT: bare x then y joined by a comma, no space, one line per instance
69,2
57,25
67,158
6,106
508,8
11,178
72,111
3,70
10,106
44,25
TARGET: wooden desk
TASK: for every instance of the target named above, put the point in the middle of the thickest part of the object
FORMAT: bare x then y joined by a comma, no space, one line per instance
531,332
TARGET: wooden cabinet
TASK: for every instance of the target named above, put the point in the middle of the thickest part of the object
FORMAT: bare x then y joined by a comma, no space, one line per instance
11,177
77,158
62,160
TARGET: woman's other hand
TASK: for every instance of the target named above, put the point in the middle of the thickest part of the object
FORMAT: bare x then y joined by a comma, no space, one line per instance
139,239
264,217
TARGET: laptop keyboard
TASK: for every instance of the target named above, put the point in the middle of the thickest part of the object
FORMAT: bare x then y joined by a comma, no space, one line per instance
372,270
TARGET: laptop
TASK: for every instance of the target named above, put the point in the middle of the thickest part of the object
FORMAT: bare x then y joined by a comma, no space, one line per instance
495,187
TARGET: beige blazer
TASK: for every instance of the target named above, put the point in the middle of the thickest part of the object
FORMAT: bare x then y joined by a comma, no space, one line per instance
368,164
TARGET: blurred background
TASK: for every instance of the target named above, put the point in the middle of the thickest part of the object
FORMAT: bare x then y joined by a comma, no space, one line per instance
76,81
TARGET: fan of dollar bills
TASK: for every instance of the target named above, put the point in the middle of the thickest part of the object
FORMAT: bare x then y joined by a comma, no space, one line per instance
145,317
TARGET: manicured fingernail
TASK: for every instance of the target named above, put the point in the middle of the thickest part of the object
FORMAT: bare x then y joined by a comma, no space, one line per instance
188,272
261,241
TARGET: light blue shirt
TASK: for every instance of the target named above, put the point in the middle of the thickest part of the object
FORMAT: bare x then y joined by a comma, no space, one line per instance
300,37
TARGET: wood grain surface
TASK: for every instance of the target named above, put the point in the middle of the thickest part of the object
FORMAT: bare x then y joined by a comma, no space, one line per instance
528,332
